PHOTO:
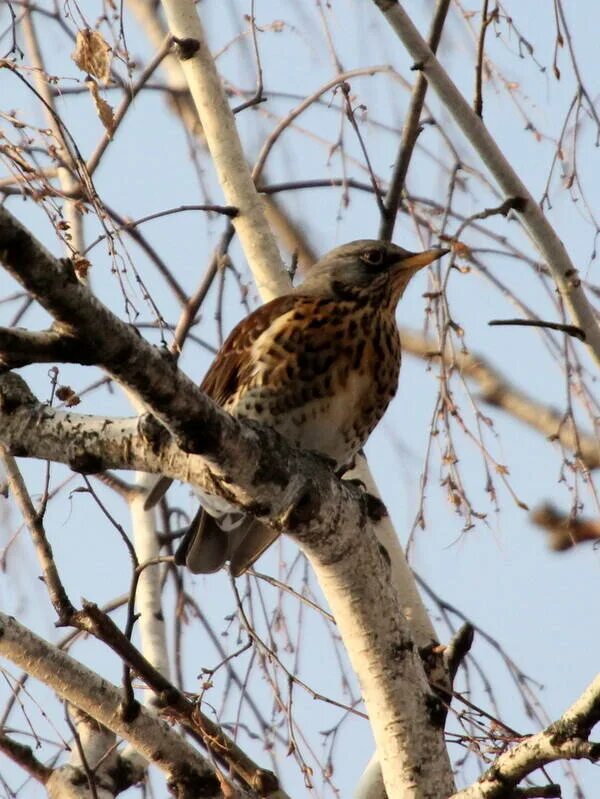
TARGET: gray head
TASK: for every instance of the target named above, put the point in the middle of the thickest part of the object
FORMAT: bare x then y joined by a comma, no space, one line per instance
378,268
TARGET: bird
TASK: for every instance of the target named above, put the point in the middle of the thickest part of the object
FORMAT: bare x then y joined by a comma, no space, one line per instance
320,365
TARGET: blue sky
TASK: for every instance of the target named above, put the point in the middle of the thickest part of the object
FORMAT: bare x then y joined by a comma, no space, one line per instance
539,606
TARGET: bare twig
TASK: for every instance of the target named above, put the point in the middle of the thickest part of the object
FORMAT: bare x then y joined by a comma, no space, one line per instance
485,23
571,330
58,595
410,130
549,244
565,738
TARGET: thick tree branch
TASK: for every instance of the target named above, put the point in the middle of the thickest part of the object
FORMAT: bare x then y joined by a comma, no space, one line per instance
187,771
257,469
264,484
22,347
218,124
401,577
566,738
541,231
24,757
180,102
38,431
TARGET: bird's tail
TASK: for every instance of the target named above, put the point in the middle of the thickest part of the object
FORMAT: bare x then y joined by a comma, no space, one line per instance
210,541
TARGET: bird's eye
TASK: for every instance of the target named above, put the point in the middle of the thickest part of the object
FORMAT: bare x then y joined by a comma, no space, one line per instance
373,257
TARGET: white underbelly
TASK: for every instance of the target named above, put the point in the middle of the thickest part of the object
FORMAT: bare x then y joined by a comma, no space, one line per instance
325,424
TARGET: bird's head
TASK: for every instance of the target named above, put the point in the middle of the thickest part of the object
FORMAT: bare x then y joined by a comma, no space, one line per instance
368,266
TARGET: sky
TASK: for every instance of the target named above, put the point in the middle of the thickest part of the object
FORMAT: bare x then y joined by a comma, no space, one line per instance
538,606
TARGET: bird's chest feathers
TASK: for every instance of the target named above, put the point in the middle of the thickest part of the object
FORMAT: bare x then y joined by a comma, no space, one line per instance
324,381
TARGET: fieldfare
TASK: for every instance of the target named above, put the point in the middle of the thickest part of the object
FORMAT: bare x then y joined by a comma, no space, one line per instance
320,365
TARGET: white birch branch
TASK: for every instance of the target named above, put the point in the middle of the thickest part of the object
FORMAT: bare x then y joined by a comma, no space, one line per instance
151,624
94,756
565,739
67,182
410,600
286,230
184,766
223,142
254,468
270,279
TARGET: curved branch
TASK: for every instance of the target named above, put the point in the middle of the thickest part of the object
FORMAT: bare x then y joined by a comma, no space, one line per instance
23,756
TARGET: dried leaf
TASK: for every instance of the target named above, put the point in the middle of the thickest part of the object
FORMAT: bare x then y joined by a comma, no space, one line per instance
81,266
454,499
103,109
92,54
461,250
68,396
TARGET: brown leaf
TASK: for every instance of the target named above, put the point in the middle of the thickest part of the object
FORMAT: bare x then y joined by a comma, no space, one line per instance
103,109
68,396
461,250
92,54
81,266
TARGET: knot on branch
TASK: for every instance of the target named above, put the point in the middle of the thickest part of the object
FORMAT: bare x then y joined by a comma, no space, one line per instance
153,432
374,507
86,463
14,393
186,48
186,783
306,506
129,711
264,782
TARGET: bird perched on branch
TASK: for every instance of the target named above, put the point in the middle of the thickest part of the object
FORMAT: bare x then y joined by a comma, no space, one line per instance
320,365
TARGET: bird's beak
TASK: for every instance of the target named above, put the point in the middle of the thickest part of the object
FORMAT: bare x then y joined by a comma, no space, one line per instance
417,260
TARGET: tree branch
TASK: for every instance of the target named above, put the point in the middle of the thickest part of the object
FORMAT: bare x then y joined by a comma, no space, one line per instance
254,468
183,765
23,347
401,577
24,757
540,230
218,124
565,531
563,739
410,129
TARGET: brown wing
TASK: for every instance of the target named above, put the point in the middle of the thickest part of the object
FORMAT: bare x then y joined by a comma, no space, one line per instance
222,379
